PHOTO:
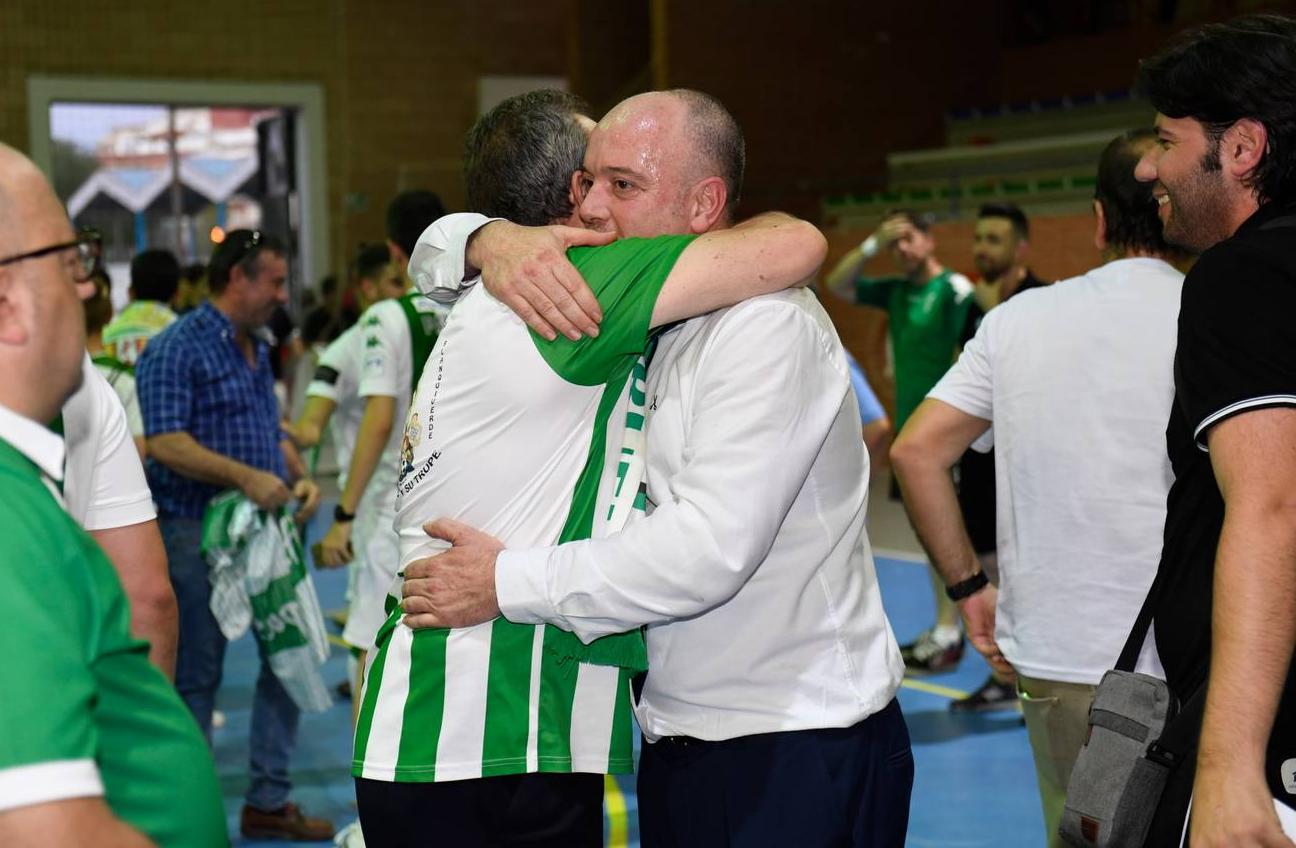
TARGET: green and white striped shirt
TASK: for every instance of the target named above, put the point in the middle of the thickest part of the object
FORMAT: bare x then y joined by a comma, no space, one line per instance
516,436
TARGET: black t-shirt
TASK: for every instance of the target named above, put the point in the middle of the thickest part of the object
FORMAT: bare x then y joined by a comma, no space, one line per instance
976,489
1236,353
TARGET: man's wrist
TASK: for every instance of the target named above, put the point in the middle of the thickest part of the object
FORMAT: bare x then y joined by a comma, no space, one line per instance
341,516
477,247
965,589
244,475
520,586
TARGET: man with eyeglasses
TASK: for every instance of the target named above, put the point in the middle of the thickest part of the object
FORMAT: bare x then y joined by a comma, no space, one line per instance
212,424
97,747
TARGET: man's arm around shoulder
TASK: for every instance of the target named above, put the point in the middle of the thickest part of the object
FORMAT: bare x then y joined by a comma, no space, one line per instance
762,255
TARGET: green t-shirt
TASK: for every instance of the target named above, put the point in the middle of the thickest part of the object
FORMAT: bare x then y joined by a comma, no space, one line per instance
927,324
81,695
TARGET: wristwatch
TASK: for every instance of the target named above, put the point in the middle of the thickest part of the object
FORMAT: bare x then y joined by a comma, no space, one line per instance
967,588
341,516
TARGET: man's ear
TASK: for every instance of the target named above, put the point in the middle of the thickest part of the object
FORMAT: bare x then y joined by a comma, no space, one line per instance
397,255
1022,251
1242,147
13,327
575,192
707,204
1100,226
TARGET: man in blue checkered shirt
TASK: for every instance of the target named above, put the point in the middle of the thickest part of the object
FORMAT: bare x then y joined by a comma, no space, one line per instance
212,424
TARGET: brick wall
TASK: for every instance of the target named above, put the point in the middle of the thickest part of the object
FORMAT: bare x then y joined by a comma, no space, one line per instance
399,78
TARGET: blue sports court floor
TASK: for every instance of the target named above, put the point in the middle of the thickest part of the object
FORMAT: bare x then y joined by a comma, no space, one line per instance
974,783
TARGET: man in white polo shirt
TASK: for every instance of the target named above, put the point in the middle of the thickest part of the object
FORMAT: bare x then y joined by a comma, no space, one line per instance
1076,381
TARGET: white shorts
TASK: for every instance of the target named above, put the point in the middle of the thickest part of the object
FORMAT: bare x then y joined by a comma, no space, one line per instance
377,559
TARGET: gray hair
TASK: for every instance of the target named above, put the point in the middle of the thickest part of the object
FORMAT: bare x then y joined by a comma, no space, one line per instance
717,139
520,156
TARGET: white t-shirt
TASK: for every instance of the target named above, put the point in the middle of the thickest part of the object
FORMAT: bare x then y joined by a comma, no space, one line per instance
753,572
1077,378
386,370
104,485
337,378
123,383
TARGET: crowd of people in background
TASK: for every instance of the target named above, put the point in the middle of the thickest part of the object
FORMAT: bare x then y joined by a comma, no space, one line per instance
604,463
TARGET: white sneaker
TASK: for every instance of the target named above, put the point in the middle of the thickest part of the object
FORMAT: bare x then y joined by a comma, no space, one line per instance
350,836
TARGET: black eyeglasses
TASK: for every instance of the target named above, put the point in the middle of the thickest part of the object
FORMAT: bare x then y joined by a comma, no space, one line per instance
88,245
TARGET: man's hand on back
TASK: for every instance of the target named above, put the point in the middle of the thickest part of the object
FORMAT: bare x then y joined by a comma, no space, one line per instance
455,588
526,268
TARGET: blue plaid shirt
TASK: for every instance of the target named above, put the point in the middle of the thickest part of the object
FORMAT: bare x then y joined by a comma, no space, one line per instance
192,377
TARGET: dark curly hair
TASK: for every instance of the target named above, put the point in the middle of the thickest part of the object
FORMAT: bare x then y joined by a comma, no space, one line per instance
1219,74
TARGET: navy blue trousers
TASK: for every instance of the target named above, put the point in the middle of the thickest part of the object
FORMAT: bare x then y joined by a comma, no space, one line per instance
808,788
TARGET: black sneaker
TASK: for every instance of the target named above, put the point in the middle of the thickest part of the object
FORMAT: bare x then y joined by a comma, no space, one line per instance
926,655
992,695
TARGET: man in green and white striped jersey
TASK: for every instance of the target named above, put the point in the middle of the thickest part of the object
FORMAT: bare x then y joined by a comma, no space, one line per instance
501,732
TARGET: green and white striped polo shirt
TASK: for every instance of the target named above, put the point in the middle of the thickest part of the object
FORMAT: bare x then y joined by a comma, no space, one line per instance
518,437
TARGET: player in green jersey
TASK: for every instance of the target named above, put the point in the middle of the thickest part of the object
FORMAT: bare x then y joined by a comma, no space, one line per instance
929,309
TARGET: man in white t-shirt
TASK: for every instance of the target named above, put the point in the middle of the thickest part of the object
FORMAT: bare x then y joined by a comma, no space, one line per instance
106,493
333,396
1071,384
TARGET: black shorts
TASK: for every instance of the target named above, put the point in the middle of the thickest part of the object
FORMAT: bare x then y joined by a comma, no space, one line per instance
540,810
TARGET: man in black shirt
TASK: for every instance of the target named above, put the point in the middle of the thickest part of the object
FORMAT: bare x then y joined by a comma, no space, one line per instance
1000,244
1224,177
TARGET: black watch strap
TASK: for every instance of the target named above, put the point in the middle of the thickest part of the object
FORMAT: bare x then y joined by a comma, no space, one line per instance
968,587
341,515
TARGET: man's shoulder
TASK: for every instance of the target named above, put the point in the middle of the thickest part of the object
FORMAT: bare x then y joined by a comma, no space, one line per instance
959,284
32,521
383,317
602,263
92,401
765,315
188,327
1259,254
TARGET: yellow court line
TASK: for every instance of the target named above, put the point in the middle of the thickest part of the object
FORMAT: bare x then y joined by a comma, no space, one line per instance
618,821
337,640
933,689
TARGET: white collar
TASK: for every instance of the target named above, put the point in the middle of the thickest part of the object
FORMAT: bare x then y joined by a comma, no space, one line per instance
34,441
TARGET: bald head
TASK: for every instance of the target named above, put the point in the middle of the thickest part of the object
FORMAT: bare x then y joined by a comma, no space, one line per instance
27,203
696,134
41,326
